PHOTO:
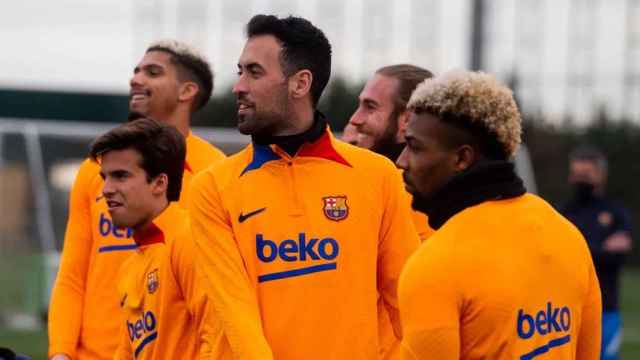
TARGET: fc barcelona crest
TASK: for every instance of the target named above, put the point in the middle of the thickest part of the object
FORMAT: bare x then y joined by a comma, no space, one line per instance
335,207
153,281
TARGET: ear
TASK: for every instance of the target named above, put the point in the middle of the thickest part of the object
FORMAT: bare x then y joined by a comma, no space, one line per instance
403,119
300,84
160,184
465,157
188,91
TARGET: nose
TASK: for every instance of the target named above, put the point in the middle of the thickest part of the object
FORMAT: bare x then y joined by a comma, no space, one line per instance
136,80
357,118
240,86
108,189
402,162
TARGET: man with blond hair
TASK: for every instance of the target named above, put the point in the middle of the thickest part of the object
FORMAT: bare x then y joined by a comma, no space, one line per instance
169,84
504,276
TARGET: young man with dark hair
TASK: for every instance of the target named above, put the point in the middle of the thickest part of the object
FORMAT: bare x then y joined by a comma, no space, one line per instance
162,301
607,228
169,84
299,233
504,276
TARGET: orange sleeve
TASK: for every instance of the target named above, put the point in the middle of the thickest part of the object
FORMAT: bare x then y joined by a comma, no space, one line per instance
124,351
191,282
421,223
430,305
398,240
67,298
227,283
588,344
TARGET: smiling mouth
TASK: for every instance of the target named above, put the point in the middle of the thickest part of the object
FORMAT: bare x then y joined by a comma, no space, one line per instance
113,205
139,95
244,108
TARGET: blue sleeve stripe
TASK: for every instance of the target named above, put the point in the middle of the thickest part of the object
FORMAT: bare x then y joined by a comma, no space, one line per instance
144,342
297,272
545,348
108,248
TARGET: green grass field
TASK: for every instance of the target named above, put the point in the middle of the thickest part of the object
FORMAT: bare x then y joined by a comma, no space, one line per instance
34,343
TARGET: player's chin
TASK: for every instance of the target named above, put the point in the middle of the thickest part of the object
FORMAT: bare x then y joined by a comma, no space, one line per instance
246,125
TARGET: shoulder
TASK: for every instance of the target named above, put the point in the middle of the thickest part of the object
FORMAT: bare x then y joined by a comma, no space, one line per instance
364,159
225,170
203,150
88,170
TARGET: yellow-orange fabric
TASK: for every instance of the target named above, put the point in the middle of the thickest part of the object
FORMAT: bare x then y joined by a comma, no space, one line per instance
509,279
84,308
164,305
297,250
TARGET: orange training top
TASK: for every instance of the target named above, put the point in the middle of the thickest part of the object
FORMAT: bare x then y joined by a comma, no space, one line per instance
84,308
502,280
298,249
164,306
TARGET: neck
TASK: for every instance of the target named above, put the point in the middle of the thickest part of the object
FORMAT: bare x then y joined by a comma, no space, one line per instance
485,181
299,121
156,210
180,118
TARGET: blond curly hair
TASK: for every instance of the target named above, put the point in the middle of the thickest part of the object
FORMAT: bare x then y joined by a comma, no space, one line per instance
474,96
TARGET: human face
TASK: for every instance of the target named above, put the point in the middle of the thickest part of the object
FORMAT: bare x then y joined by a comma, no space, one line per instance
375,119
350,134
154,87
261,88
427,160
130,196
586,171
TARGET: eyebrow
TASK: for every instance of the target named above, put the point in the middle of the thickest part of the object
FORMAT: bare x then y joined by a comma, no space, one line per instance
146,66
249,66
370,102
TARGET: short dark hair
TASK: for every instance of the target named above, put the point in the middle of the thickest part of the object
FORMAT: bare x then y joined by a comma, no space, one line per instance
587,152
473,133
191,66
161,147
304,46
408,76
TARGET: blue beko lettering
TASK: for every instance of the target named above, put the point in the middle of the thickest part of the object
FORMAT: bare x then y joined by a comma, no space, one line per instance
301,250
290,250
544,321
106,228
547,321
142,326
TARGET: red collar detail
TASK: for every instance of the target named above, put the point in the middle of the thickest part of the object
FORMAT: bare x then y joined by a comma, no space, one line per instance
150,235
187,167
322,148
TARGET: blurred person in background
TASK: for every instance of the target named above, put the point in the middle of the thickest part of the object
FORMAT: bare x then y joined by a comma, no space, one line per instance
169,84
504,276
300,233
379,124
381,118
350,134
607,227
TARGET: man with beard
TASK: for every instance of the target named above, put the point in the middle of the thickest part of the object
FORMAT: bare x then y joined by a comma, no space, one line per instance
170,83
299,233
381,118
607,228
504,276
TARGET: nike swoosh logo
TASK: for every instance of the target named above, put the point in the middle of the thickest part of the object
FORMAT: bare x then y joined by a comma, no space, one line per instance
123,300
244,217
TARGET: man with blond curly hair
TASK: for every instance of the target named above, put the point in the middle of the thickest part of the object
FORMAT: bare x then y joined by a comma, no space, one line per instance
170,83
504,276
